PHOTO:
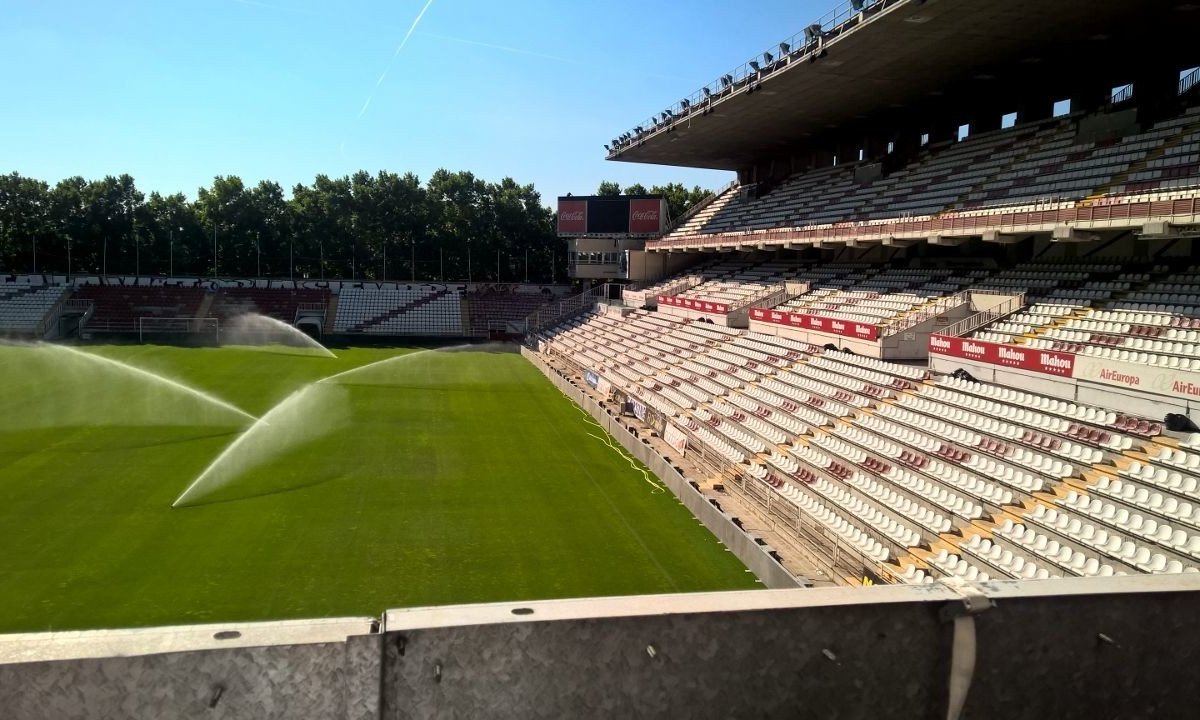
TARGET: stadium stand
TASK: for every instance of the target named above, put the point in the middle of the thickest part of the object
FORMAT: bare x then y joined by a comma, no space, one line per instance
426,310
118,307
26,309
491,310
1003,169
972,479
280,303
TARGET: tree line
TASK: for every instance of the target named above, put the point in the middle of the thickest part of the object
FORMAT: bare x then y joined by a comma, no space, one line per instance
454,226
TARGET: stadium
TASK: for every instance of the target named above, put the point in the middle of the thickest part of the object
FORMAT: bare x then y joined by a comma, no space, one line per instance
902,422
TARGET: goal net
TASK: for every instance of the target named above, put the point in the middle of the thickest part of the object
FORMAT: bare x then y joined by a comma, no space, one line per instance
202,327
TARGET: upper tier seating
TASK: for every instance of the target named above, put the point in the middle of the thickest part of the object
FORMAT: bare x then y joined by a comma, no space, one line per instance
414,310
23,307
1038,163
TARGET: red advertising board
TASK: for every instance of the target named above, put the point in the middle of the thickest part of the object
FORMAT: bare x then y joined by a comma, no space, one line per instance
645,217
572,216
816,323
703,306
1015,356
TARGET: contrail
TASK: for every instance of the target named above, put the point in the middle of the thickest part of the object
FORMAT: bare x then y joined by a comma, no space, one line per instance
534,53
407,35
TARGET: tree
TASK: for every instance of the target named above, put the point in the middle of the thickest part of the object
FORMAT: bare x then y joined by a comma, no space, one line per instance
608,188
636,189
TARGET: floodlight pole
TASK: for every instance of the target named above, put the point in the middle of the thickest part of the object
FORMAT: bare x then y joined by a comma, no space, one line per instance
385,262
104,259
414,260
214,248
526,266
258,251
469,278
291,259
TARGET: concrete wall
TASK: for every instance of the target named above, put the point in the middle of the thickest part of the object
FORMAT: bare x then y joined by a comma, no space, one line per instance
1086,648
752,555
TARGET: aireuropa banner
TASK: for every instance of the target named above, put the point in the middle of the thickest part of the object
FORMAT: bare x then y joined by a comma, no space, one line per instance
675,438
1046,362
572,217
703,306
1143,378
817,323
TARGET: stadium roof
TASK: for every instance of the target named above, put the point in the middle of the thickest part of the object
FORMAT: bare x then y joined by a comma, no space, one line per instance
899,54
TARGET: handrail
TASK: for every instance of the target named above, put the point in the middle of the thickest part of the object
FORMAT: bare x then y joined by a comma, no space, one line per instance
574,305
800,46
1189,81
695,209
763,298
953,224
43,325
939,306
1005,307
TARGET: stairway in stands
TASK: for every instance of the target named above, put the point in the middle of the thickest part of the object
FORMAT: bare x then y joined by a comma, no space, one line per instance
398,311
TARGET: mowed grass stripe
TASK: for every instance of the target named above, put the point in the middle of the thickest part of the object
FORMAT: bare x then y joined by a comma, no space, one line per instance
458,477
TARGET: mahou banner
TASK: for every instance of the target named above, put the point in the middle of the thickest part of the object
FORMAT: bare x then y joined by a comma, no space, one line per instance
816,323
572,217
645,217
1045,362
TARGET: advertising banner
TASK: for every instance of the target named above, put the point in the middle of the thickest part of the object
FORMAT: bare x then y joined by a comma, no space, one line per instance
675,438
1180,384
817,323
572,217
645,217
1045,362
703,306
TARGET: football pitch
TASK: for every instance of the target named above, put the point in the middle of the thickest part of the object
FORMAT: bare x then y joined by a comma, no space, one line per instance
382,478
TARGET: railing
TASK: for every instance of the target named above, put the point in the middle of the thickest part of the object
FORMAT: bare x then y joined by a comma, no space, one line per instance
51,316
683,284
563,309
1125,94
953,224
1189,81
312,310
1005,307
695,209
767,297
807,42
939,306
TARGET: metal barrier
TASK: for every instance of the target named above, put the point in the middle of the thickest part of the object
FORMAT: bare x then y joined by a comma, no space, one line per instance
990,315
940,306
557,312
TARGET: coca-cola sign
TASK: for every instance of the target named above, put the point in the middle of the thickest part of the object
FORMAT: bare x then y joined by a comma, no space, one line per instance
645,217
572,217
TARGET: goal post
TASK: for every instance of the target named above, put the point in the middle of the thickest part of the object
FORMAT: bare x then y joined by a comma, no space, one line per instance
200,326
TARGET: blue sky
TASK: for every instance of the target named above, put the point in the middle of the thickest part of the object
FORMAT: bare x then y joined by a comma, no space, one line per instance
177,92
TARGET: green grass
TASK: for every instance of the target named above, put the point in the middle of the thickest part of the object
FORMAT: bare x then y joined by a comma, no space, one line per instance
444,477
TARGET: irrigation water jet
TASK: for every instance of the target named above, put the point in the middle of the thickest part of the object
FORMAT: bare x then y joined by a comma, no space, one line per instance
99,389
256,330
379,364
306,414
